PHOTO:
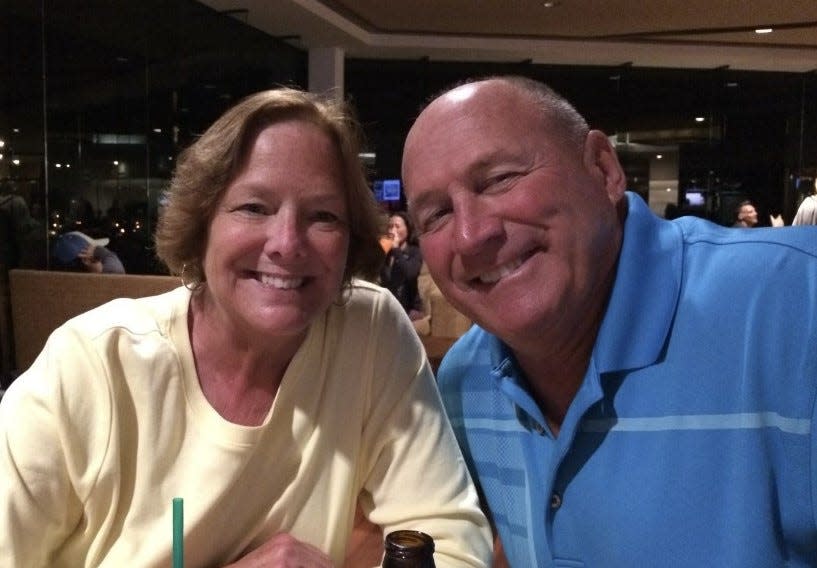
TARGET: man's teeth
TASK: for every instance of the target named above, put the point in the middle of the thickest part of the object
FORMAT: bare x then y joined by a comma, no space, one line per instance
281,282
502,271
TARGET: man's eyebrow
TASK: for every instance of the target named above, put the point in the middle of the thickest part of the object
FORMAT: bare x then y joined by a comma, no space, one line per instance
422,200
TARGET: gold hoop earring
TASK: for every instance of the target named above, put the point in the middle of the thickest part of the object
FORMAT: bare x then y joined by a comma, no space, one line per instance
186,282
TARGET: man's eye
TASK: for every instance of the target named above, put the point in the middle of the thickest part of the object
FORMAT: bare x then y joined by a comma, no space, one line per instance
500,180
433,220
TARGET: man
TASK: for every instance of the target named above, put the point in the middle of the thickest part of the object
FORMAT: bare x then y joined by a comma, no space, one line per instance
745,215
77,251
637,392
19,247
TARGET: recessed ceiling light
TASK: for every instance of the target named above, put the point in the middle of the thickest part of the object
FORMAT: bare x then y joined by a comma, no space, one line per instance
699,119
763,30
658,156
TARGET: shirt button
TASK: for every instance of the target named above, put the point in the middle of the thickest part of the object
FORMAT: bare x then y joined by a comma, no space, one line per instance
555,500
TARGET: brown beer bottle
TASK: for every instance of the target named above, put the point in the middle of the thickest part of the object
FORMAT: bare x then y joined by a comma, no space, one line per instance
409,549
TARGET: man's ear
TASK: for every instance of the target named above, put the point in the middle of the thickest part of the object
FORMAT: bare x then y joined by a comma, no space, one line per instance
601,160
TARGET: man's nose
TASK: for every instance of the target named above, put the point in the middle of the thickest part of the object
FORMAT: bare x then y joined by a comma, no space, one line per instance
475,225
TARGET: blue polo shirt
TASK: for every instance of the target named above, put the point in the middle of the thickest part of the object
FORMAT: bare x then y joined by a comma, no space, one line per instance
690,441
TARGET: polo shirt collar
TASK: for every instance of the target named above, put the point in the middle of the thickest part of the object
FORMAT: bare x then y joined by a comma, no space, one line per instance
645,293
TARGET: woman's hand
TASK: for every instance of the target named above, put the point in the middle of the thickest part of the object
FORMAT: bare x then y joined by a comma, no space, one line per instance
284,551
397,242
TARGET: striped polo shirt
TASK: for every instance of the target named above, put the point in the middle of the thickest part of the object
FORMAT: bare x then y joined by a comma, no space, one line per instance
690,441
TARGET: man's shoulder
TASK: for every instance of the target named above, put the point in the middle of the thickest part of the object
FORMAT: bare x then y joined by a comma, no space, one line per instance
467,367
791,240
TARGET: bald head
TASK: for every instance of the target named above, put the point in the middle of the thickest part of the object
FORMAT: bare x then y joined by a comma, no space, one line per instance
544,105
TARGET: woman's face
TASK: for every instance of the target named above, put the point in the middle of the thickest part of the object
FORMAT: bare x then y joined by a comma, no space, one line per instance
398,230
279,238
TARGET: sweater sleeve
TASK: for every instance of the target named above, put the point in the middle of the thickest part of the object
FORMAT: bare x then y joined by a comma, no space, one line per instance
418,479
52,435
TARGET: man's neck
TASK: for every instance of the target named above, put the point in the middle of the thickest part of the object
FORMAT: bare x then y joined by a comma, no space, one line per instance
555,377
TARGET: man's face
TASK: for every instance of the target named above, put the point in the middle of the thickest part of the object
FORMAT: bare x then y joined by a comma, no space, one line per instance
748,214
518,226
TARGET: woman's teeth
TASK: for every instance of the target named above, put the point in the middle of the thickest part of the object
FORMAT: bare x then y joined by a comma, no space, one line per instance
281,282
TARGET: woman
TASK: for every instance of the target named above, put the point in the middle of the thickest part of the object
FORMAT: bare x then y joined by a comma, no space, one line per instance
402,266
259,392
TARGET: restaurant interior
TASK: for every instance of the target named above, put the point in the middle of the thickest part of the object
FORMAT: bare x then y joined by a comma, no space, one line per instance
98,98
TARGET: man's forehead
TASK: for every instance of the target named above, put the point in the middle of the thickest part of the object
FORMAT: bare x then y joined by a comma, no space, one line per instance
461,93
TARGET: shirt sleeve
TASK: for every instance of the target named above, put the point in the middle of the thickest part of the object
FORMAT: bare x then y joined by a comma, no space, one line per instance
49,428
418,479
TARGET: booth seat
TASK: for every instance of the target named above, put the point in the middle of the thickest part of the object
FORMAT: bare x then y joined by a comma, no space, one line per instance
42,300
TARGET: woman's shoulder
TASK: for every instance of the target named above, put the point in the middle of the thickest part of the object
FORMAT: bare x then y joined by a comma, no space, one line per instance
135,315
368,301
363,294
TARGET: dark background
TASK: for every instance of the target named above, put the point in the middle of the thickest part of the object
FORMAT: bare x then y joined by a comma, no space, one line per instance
97,99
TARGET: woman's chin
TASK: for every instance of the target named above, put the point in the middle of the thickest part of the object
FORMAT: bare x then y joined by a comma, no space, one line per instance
281,322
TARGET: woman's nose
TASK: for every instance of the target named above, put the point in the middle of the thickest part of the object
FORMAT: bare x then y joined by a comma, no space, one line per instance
283,235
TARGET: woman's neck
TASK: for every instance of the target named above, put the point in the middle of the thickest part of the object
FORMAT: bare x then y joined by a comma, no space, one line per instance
240,379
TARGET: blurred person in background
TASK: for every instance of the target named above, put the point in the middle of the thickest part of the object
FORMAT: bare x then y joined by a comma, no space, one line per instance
745,215
401,267
21,240
75,250
807,211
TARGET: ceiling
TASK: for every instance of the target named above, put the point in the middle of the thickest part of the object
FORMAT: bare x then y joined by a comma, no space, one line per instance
647,33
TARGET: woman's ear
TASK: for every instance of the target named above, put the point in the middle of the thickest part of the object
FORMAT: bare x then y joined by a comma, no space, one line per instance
601,160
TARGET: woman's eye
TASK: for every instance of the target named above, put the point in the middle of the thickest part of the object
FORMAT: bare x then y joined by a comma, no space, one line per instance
325,217
253,208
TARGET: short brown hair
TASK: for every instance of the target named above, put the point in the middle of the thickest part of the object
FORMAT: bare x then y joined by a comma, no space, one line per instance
209,165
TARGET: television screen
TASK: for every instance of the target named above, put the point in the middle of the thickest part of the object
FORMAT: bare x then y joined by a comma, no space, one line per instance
387,189
695,198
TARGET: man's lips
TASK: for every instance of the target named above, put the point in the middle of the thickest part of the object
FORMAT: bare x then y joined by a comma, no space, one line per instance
496,274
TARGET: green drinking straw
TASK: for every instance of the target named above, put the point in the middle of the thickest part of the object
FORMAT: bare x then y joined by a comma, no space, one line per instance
178,532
